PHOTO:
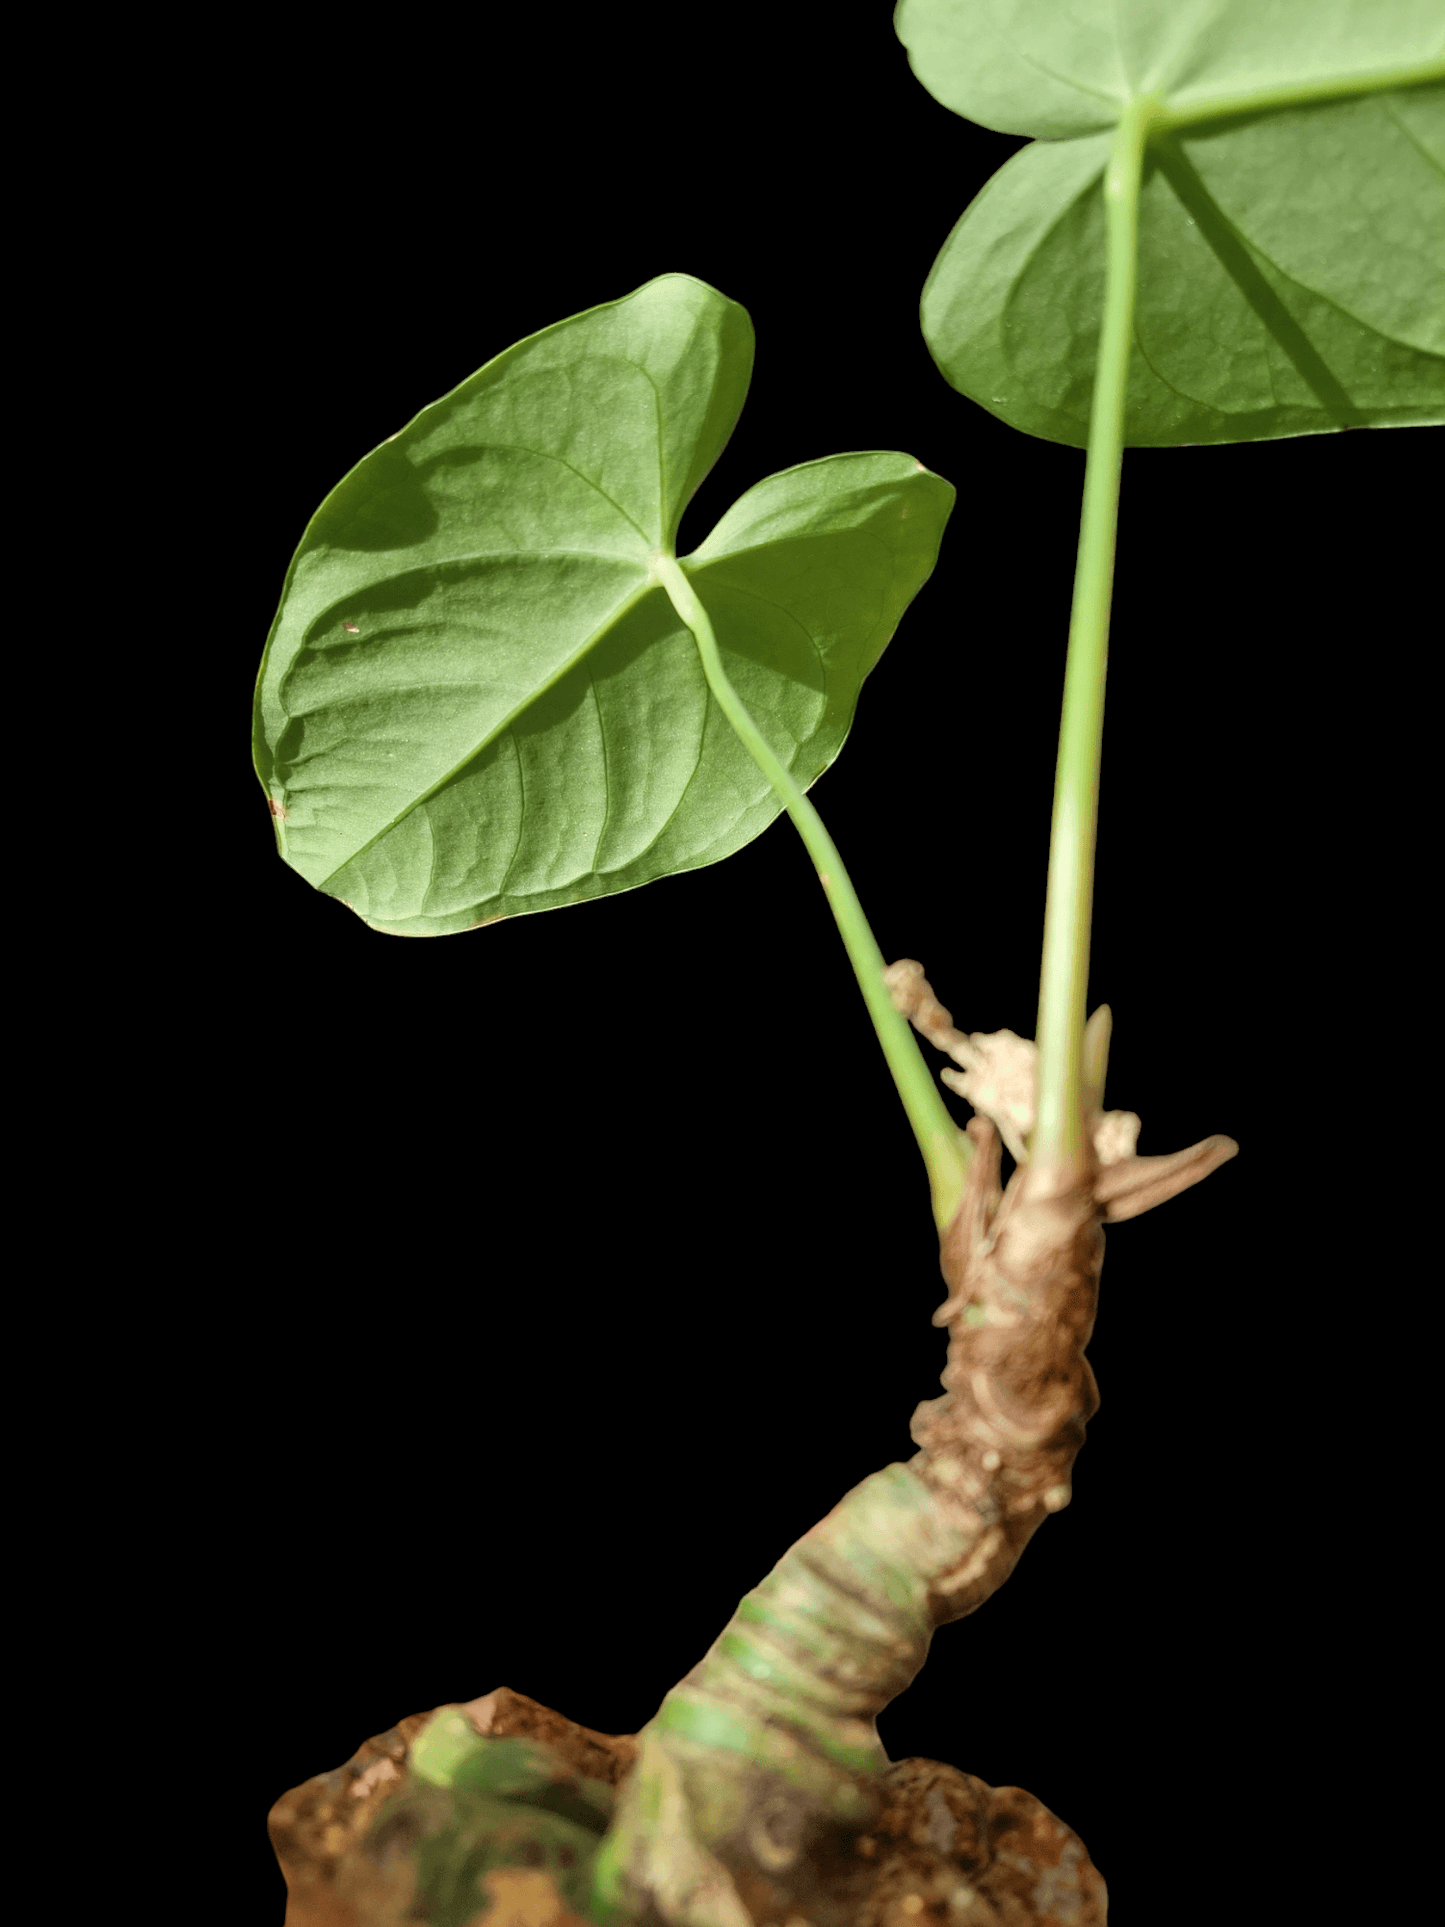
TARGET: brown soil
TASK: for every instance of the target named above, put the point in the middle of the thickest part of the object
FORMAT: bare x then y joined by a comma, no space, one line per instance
945,1850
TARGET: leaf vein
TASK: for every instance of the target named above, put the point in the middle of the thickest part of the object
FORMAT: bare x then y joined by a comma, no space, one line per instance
505,724
546,455
1404,127
516,749
606,774
692,776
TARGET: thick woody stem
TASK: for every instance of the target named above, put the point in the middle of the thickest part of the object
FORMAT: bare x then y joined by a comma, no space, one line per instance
769,1749
769,1746
999,1447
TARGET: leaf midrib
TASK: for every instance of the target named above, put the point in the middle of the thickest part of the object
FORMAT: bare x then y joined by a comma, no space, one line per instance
583,649
1232,247
578,655
1172,160
637,856
1312,93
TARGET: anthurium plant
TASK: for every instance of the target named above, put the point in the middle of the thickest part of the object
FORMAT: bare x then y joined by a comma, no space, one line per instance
494,686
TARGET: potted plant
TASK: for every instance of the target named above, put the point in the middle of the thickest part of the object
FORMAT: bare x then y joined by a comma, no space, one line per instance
575,678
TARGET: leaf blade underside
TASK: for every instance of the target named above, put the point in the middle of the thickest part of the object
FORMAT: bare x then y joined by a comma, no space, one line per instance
1291,262
476,701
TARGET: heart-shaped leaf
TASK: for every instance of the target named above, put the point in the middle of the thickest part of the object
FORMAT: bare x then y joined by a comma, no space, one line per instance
477,700
1291,249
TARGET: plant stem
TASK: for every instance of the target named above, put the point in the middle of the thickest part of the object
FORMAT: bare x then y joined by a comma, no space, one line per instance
1059,1132
945,1150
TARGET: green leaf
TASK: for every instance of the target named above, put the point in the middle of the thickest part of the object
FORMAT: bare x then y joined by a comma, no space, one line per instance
1291,249
476,700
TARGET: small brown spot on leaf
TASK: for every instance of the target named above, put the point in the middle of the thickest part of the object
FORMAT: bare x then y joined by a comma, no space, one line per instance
351,628
276,808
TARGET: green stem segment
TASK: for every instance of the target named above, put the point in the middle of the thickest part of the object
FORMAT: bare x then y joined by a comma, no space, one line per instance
1059,1132
1059,1137
945,1150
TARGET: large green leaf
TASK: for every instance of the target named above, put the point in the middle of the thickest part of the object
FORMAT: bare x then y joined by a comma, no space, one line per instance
1291,257
476,700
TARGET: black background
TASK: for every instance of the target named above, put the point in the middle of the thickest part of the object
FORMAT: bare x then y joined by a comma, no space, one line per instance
570,1269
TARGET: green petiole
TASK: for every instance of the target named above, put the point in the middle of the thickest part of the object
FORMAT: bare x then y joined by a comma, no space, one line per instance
1060,1135
945,1150
1059,1131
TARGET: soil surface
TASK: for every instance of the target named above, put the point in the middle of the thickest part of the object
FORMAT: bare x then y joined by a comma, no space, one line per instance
944,1851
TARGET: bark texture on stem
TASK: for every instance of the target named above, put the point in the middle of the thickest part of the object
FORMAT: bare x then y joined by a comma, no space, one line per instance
762,1768
997,1450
